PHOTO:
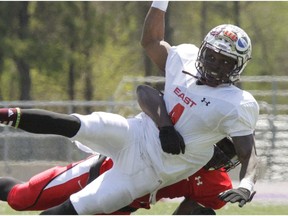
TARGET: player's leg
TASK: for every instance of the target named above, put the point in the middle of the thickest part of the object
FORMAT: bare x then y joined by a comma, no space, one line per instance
108,133
200,210
88,200
40,121
116,188
51,187
6,184
212,184
66,208
109,195
190,207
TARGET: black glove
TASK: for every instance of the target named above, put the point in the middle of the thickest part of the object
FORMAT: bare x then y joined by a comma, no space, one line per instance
171,141
240,195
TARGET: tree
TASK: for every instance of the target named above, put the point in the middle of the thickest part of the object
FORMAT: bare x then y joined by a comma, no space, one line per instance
16,43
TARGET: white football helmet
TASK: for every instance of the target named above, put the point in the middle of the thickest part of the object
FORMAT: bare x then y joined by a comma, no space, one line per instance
228,40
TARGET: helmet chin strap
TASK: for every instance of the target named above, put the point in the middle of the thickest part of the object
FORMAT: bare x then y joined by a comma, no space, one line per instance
188,73
202,80
205,81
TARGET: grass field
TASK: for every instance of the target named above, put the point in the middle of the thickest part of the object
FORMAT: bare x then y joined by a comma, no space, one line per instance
167,208
230,209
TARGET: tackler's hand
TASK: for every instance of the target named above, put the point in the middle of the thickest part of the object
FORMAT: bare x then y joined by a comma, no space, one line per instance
171,141
240,195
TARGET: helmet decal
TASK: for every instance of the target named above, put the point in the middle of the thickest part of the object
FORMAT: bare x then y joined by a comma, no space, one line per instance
242,45
230,35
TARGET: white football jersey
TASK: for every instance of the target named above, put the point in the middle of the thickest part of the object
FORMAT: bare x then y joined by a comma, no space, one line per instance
203,115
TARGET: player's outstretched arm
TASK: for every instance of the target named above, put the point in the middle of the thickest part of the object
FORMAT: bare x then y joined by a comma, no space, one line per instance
40,121
152,103
246,152
152,39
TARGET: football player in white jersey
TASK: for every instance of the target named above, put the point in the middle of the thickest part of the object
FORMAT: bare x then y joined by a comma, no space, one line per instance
204,109
199,88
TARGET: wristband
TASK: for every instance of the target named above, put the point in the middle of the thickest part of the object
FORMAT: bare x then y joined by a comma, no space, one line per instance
18,117
161,5
247,184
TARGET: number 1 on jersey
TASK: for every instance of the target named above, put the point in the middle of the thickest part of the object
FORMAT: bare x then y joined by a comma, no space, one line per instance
176,113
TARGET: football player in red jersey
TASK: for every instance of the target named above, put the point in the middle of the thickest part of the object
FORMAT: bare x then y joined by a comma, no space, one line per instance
53,186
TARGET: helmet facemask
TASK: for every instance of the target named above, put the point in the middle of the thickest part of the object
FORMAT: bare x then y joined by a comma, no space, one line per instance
224,157
214,74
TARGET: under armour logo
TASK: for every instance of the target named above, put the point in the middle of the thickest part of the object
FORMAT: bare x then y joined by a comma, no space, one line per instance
199,182
204,101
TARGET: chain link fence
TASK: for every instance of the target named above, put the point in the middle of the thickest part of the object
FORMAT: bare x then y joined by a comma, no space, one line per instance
18,148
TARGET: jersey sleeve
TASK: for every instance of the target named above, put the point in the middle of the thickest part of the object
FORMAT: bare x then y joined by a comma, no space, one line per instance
242,120
182,54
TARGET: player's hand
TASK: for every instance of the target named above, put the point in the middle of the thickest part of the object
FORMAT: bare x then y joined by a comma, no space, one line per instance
240,195
171,141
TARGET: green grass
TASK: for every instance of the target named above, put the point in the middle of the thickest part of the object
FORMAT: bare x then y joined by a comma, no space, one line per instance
167,208
229,209
6,210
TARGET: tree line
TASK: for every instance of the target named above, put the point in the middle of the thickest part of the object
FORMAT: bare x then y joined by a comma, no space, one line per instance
81,49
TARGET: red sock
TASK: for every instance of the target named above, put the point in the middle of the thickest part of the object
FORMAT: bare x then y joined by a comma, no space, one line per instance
10,116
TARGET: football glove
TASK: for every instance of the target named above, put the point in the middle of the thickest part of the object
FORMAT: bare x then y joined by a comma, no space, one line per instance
240,195
171,141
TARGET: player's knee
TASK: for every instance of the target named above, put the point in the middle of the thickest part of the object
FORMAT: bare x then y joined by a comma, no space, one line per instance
104,204
18,201
22,197
125,200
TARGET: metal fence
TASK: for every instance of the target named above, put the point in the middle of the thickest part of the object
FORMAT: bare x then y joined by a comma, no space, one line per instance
271,130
